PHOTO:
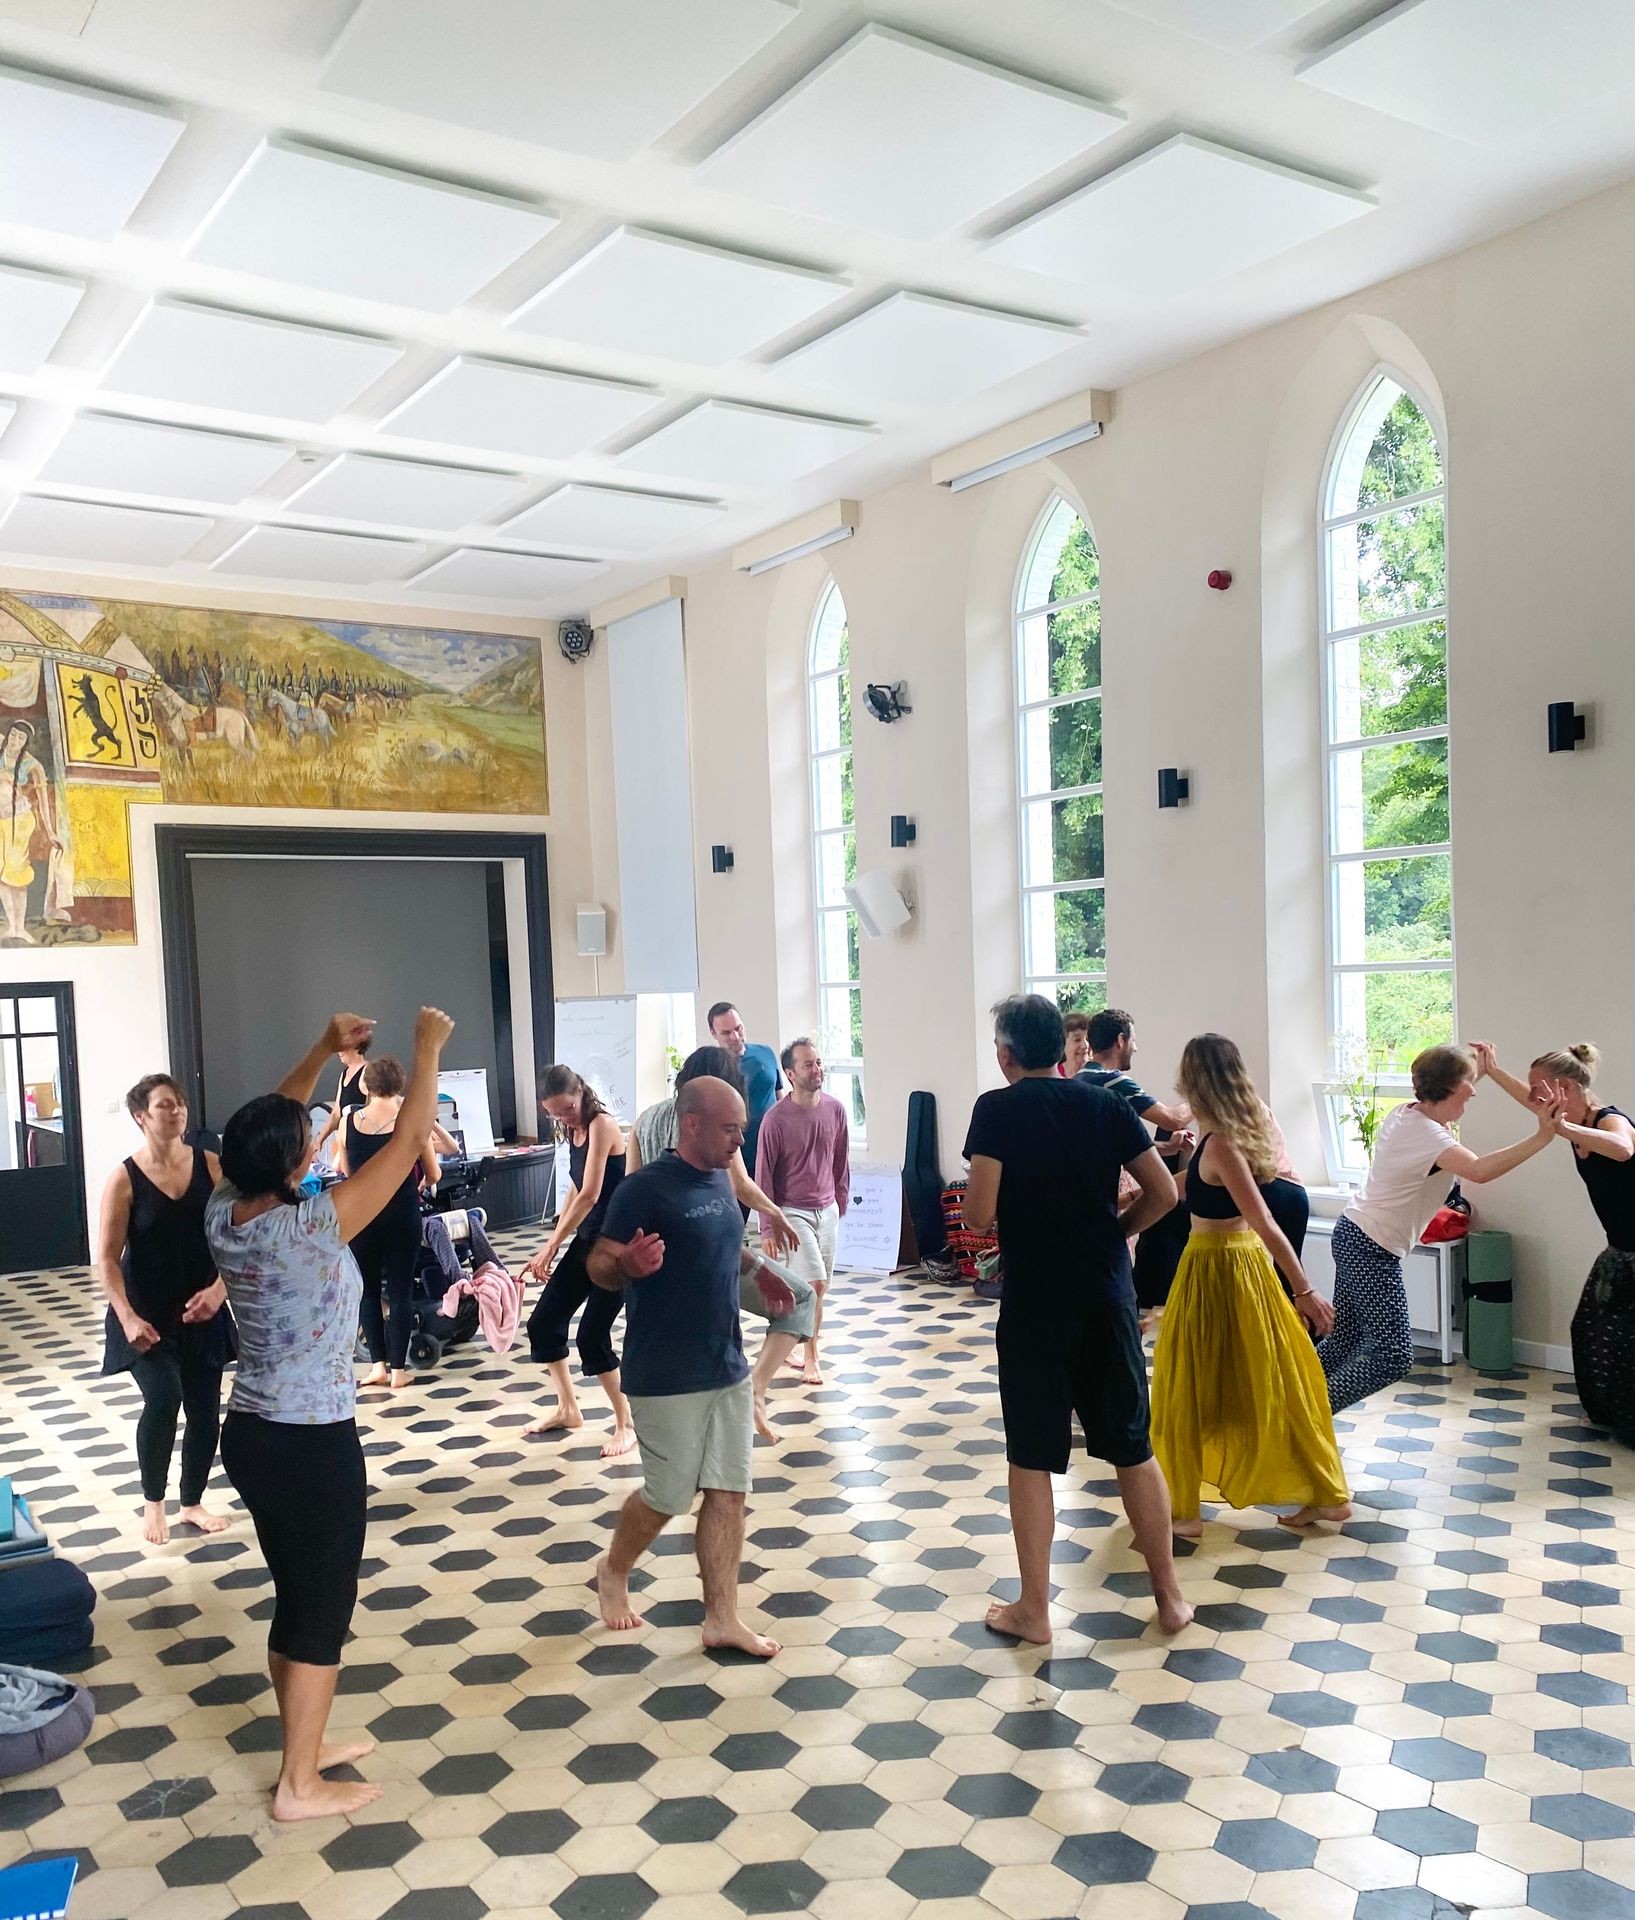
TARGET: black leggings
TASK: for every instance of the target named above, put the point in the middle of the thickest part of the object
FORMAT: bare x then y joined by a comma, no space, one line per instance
386,1252
169,1383
305,1490
568,1289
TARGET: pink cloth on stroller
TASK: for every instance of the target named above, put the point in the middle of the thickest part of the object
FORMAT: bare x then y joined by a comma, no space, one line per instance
499,1303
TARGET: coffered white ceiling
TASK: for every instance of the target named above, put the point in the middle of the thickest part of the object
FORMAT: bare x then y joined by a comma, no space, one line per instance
510,306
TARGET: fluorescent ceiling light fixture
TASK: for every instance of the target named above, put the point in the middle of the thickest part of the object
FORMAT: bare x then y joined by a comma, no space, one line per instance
799,553
74,159
1069,423
811,533
1026,457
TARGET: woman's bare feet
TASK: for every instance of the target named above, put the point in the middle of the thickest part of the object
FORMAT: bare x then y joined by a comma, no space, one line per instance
1309,1517
1187,1529
763,1420
204,1519
376,1377
811,1374
1020,1623
733,1633
621,1440
342,1753
560,1420
401,1378
1173,1614
323,1800
155,1526
613,1596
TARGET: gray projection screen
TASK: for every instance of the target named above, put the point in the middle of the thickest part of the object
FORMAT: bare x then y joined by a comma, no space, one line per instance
283,943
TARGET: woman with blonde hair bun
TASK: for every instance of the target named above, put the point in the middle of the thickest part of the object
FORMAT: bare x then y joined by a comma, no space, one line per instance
1238,1398
1602,1138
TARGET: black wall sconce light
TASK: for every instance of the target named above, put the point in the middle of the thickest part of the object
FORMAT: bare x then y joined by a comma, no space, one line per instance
903,831
1173,786
1566,726
720,859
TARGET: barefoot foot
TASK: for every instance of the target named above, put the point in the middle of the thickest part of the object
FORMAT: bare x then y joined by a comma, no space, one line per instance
342,1753
811,1374
323,1799
795,1363
155,1527
1309,1517
401,1379
1187,1529
1019,1623
620,1441
204,1519
375,1377
763,1420
1173,1615
562,1420
733,1633
613,1596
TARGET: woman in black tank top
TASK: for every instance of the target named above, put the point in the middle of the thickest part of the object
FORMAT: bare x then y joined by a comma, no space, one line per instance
596,1161
386,1250
349,1095
167,1324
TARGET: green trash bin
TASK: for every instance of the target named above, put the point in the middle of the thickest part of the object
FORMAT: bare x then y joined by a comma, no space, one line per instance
1489,1290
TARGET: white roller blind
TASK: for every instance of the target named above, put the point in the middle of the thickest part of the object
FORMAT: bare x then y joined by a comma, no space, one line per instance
652,789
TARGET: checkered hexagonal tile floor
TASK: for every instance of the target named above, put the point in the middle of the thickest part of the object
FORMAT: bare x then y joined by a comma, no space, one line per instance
1426,1714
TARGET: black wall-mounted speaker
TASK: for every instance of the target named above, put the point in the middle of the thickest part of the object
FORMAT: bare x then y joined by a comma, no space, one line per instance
1173,786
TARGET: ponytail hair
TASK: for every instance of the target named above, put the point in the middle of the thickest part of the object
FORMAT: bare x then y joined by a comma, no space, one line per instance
559,1082
1574,1064
1216,1085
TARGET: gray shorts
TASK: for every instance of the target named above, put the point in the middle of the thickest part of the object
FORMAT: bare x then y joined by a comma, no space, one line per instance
693,1441
799,1319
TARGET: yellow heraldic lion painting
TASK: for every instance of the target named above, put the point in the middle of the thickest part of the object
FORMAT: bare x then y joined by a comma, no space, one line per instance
109,704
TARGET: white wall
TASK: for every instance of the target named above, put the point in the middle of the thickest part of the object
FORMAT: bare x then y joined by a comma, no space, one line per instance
1215,909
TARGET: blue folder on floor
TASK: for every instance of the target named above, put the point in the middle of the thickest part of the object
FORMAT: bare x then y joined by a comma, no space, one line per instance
22,1538
38,1890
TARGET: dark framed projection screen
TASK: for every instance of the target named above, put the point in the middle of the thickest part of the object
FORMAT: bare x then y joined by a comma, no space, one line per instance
267,931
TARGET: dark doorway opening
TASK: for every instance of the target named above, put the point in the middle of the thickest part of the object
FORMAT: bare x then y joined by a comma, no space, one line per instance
42,1180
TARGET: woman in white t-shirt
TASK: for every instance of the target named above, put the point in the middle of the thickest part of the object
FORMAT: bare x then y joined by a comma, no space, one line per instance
1417,1158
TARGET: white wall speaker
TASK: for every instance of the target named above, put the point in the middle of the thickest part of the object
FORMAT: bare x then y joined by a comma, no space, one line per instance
879,907
592,927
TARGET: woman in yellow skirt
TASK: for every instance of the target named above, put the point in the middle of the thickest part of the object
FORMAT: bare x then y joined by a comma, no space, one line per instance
1239,1402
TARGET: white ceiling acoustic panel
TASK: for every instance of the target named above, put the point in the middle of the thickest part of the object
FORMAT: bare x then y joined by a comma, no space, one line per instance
1227,23
1482,70
720,443
913,351
34,309
1185,214
210,357
8,413
349,226
487,573
604,79
678,299
408,493
610,519
75,160
312,553
490,404
94,534
113,455
898,136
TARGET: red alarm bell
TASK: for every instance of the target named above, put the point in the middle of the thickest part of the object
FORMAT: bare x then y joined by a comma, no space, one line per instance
1220,579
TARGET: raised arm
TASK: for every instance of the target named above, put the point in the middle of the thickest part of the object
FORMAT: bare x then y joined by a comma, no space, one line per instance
1479,1168
346,1030
1229,1163
112,1231
359,1199
1488,1068
430,1165
1613,1138
1172,1117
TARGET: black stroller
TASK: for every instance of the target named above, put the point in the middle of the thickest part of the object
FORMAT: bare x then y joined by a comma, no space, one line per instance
459,1238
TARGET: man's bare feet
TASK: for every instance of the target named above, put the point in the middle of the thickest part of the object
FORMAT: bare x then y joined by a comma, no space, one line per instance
811,1374
323,1800
155,1527
342,1753
733,1633
1173,1615
1187,1529
401,1379
613,1596
1009,1618
1309,1516
560,1420
763,1420
376,1377
620,1441
204,1519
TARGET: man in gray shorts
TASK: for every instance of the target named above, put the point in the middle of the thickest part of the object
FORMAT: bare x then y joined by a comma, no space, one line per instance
673,1242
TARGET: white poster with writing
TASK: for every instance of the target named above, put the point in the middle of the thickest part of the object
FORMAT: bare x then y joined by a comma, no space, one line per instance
597,1038
871,1228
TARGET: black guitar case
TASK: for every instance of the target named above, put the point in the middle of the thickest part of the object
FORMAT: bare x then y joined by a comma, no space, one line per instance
922,1180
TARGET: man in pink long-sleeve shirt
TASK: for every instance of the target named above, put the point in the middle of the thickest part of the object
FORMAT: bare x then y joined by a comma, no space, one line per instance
801,1164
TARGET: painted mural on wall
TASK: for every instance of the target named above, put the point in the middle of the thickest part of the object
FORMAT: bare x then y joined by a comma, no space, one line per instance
105,705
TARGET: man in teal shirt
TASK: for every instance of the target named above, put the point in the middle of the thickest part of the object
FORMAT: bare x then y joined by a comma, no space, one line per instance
759,1065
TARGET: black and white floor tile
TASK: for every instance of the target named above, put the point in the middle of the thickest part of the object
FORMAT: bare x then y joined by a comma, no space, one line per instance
1424,1715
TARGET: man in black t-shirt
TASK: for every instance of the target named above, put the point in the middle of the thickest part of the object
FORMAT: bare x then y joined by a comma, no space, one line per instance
1045,1156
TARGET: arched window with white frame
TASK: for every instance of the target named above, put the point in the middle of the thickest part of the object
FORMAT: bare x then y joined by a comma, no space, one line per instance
1385,703
834,854
1058,759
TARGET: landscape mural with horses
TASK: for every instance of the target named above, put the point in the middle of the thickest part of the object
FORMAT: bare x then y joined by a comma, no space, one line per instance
108,704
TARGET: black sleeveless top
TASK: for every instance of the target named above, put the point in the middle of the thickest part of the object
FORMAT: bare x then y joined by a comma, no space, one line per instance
1206,1202
1611,1185
166,1261
352,1094
612,1174
402,1211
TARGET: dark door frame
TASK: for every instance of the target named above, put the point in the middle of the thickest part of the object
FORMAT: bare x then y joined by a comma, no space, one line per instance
175,844
73,1141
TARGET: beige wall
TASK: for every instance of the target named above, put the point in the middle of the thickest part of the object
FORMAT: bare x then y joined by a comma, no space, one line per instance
1521,347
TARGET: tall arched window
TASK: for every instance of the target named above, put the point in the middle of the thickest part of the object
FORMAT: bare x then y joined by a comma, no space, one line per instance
1385,663
1058,703
834,853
